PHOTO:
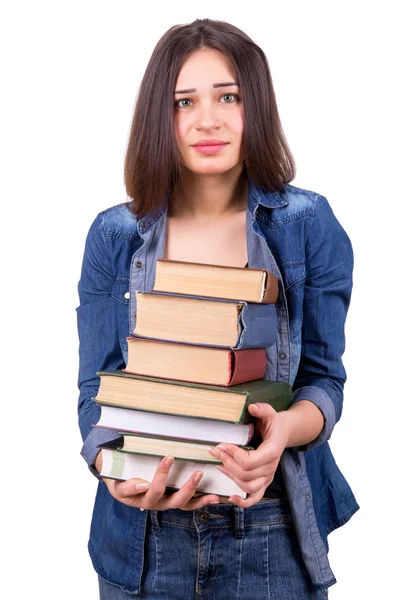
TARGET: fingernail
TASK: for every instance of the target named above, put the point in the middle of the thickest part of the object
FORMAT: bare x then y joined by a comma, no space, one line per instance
141,487
213,452
167,461
222,447
214,502
254,407
197,477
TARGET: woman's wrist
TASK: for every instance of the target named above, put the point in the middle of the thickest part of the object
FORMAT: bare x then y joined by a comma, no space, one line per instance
303,422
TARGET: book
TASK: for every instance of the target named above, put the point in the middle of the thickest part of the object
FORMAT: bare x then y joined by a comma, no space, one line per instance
161,446
122,466
201,364
168,396
189,428
212,322
216,281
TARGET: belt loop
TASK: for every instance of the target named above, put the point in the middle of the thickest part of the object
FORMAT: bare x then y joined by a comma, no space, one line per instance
239,522
155,521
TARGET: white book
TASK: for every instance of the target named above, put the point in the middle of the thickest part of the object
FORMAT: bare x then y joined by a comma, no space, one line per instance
188,428
122,466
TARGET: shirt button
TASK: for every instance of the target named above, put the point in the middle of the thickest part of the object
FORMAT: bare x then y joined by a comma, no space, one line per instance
134,316
202,517
143,225
282,355
138,264
308,497
126,295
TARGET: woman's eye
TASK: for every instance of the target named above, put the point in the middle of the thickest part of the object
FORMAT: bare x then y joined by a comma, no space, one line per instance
226,99
184,103
229,98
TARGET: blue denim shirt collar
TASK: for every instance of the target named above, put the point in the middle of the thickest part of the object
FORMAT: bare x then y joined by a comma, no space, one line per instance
256,196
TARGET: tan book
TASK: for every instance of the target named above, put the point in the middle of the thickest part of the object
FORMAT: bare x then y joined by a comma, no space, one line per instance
161,446
188,319
216,281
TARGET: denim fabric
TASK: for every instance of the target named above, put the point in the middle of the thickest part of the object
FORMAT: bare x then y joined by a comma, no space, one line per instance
295,235
221,553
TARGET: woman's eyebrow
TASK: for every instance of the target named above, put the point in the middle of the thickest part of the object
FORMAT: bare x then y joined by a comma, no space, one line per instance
215,85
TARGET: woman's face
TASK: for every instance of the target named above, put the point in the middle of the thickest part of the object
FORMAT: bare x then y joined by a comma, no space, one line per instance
208,107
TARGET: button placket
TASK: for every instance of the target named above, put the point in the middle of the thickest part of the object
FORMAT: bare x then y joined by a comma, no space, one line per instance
143,263
261,257
137,275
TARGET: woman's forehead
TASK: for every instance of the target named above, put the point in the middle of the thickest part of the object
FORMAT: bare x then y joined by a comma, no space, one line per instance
205,66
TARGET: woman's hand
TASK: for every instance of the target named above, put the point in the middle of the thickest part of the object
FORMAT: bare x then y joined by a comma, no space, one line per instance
254,470
151,496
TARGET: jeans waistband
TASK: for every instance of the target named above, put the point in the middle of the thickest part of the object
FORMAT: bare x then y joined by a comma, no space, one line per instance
266,512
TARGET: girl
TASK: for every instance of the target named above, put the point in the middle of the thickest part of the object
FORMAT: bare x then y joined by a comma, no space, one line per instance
208,170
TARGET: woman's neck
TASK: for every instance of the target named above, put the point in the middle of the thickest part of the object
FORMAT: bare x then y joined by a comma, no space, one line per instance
204,196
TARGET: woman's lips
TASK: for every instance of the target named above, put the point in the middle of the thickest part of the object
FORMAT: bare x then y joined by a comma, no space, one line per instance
212,149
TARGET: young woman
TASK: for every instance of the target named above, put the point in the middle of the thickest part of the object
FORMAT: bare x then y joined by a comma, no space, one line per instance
208,171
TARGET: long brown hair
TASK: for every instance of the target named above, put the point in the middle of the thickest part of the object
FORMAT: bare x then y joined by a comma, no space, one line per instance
152,163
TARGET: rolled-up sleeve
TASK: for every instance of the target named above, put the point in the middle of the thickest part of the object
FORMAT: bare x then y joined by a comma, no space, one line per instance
99,347
329,266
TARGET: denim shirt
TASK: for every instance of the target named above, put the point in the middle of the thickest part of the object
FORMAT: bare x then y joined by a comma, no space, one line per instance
295,235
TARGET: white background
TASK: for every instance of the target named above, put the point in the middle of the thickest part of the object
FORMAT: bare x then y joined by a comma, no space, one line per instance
70,73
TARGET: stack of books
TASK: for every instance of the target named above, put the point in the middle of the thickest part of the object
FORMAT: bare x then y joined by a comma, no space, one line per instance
196,360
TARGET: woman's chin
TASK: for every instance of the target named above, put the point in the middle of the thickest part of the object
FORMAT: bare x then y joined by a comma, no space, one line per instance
210,169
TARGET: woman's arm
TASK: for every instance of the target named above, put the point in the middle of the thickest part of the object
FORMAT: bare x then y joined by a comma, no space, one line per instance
329,266
99,347
318,387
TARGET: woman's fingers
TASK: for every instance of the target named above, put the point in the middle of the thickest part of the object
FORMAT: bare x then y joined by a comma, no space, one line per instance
184,497
157,487
238,474
249,501
142,494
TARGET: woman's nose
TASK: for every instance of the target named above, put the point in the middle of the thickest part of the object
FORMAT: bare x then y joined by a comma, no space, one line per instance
207,117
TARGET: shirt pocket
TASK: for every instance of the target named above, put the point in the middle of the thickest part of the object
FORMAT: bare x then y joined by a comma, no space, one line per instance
120,290
294,275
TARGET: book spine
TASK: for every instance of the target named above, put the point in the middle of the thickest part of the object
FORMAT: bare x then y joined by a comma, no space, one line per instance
246,365
271,289
251,432
280,400
257,326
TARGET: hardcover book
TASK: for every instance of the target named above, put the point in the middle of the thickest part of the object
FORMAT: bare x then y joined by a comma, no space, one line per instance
202,364
162,424
122,466
168,396
161,446
216,281
206,321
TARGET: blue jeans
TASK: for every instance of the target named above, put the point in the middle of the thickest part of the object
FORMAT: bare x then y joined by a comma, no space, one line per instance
222,552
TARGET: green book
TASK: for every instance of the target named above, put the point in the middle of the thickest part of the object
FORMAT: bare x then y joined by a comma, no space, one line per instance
181,398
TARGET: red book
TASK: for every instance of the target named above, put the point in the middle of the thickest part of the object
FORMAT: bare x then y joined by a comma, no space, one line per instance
199,364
